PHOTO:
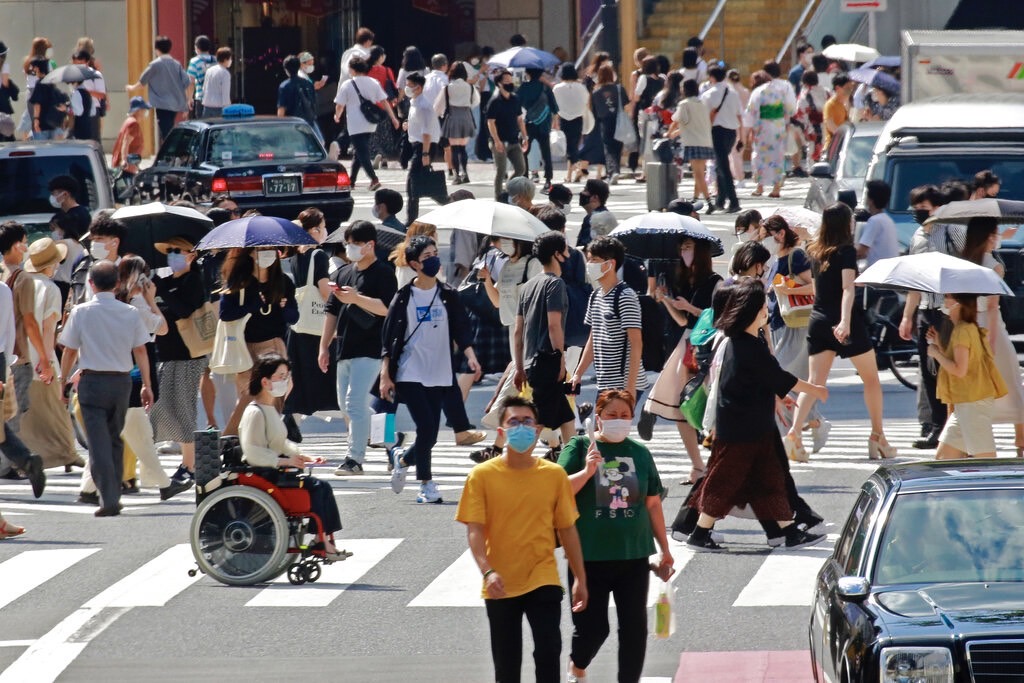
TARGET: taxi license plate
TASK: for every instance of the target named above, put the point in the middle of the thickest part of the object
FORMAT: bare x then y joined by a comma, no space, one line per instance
277,185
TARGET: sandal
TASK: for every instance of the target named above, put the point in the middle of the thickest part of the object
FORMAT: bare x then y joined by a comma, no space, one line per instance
8,530
794,451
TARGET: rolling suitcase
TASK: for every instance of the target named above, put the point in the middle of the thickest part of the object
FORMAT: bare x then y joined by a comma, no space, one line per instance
662,184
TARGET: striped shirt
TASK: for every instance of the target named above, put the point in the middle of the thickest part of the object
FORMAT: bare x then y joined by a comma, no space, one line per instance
608,330
197,67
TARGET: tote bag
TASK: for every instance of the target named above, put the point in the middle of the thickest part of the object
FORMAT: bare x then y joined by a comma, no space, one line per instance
199,330
624,132
312,308
230,354
795,309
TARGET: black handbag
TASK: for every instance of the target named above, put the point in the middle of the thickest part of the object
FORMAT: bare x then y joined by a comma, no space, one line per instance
473,295
426,182
370,111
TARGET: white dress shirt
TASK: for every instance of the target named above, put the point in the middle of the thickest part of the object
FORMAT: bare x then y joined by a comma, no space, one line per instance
436,81
104,331
731,107
423,120
572,98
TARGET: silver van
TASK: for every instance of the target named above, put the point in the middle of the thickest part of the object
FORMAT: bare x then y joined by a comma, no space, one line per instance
27,167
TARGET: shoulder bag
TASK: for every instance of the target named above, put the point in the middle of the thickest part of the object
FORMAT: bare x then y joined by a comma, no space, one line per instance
624,132
795,309
230,354
693,401
312,307
370,111
199,330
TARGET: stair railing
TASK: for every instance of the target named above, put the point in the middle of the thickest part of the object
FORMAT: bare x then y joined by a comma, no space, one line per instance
590,36
712,19
795,30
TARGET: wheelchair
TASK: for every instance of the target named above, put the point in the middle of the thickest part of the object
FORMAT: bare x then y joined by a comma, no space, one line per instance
252,524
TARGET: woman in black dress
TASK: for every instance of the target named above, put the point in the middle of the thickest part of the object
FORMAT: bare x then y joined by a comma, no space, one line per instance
838,328
608,99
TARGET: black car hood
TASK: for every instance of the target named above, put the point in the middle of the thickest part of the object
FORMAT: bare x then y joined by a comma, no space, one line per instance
964,608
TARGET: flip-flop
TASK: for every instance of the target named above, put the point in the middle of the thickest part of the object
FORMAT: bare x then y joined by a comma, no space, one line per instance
8,530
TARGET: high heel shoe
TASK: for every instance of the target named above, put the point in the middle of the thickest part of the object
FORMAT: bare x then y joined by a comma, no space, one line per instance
879,449
794,451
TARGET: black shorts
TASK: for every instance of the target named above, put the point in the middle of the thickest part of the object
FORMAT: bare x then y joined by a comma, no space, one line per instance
821,338
549,390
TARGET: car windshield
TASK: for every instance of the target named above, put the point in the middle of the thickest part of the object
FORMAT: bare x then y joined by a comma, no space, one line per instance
281,142
953,536
858,156
23,182
909,173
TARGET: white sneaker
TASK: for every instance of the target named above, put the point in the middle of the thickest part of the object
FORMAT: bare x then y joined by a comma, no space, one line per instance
399,472
819,435
429,493
169,448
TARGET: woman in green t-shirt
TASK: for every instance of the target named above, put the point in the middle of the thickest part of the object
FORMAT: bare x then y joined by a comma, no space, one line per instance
618,494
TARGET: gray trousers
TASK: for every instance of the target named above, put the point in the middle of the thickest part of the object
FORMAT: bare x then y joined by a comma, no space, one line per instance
104,402
514,153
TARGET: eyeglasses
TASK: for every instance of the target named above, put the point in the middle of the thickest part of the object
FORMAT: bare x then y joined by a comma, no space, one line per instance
527,422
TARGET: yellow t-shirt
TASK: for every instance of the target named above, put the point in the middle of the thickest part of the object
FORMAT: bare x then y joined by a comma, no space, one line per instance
982,379
835,111
520,510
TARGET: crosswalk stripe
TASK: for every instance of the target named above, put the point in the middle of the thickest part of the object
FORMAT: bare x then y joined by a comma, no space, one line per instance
151,585
336,578
457,586
32,568
786,577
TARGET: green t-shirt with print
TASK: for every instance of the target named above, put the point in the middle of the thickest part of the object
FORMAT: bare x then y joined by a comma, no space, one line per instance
614,523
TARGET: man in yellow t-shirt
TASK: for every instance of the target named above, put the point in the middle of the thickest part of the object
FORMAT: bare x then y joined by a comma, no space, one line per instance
836,111
510,505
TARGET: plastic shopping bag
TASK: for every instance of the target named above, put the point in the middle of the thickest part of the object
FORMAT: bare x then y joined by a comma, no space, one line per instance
664,612
382,429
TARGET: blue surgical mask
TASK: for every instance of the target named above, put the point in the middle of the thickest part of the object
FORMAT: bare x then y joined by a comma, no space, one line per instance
431,266
521,438
177,262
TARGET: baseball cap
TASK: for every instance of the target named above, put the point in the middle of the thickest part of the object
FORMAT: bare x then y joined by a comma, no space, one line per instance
137,103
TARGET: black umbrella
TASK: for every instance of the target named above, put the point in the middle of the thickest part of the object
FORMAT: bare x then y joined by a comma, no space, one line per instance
387,238
150,223
71,73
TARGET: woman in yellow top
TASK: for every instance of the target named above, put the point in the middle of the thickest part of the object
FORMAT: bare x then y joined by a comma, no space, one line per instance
968,382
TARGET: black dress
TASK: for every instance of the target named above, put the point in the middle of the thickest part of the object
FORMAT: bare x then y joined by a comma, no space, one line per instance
828,303
312,390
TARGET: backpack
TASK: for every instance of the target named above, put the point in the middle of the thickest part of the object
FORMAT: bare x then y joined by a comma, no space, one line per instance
652,328
539,111
578,292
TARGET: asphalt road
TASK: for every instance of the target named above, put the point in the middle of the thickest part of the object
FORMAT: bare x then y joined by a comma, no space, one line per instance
87,599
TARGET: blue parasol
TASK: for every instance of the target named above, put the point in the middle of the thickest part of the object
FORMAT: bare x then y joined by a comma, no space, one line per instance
876,79
256,231
887,61
524,58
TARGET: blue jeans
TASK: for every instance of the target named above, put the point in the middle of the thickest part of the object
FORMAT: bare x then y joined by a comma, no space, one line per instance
355,378
45,134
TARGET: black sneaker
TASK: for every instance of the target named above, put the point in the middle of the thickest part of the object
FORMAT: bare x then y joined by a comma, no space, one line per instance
174,488
36,475
585,410
703,542
801,539
294,434
89,498
808,521
553,453
645,425
399,440
183,474
485,454
733,208
348,468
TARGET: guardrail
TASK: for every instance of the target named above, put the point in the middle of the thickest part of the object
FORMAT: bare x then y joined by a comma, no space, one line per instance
795,30
712,18
590,36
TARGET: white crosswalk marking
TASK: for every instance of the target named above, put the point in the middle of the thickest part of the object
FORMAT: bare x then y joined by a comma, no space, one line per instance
456,586
336,578
682,554
33,568
152,584
786,577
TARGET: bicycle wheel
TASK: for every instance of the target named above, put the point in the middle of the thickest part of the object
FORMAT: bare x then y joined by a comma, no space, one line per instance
906,369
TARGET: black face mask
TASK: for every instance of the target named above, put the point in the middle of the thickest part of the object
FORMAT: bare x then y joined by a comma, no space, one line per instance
508,87
921,215
584,199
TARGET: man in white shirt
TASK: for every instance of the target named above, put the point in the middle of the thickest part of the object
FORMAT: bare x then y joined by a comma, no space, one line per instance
361,48
217,85
726,122
424,131
351,94
878,239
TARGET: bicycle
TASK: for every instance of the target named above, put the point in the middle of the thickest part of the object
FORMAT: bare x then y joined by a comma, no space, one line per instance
883,311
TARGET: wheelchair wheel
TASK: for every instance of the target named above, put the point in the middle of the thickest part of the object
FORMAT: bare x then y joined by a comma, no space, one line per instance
239,536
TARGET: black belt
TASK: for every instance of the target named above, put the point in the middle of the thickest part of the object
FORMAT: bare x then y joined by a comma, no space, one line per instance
105,373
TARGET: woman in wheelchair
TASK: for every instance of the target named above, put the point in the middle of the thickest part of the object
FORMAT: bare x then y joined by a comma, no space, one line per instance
264,441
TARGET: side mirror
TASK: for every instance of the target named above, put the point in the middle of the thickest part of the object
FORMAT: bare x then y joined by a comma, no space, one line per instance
822,170
852,588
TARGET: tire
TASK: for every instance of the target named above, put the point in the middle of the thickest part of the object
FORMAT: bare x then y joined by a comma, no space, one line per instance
902,371
239,536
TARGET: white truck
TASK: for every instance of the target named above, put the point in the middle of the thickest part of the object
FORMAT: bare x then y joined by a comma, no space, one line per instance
938,63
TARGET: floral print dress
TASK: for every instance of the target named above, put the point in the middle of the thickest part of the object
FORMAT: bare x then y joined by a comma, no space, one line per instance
769,110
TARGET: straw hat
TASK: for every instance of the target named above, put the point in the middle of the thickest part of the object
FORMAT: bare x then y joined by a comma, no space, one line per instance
44,253
174,243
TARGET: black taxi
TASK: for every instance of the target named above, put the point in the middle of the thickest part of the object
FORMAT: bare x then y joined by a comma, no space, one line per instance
275,165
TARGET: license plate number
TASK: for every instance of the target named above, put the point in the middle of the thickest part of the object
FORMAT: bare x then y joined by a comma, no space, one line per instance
281,185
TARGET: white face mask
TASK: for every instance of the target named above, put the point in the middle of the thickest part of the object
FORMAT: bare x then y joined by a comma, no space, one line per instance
615,431
354,252
410,92
309,69
374,212
54,201
56,235
99,251
265,259
507,248
49,53
566,210
278,388
771,244
596,271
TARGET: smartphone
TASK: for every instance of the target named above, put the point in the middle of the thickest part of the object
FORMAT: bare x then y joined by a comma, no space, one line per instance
333,286
570,389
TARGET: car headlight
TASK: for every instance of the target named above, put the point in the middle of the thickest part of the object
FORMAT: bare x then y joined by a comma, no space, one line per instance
916,665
